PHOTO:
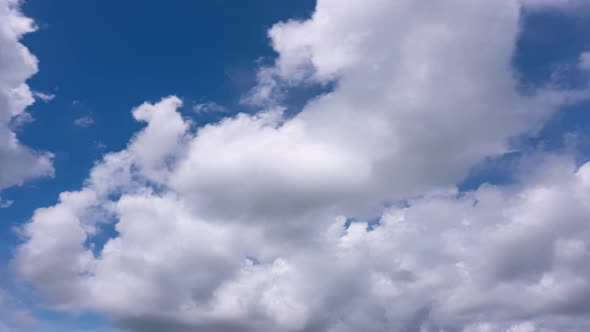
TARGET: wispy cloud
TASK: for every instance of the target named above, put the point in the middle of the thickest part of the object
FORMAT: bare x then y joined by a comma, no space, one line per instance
209,107
100,145
45,97
84,122
20,120
5,204
584,61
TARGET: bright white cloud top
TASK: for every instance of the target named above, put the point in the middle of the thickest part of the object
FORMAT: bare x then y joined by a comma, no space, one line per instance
240,225
18,163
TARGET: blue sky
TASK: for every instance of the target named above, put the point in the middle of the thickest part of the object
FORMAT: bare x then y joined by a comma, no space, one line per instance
103,58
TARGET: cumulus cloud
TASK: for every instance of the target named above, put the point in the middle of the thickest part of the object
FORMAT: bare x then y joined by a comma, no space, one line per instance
407,96
18,163
488,260
245,224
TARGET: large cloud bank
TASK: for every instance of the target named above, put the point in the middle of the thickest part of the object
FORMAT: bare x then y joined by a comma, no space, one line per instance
244,225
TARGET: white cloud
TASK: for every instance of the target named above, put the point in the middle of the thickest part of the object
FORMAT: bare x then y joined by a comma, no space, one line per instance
239,226
209,107
84,122
18,163
407,97
21,120
45,97
441,262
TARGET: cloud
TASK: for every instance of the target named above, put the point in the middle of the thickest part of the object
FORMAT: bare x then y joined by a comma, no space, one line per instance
21,120
394,127
245,224
446,260
45,97
209,107
5,203
555,4
18,163
584,62
13,314
84,122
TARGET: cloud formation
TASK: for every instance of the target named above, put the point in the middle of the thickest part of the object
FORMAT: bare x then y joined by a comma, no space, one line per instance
209,107
245,224
84,121
45,97
18,163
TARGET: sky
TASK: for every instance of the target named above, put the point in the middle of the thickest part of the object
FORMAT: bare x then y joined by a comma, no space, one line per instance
313,166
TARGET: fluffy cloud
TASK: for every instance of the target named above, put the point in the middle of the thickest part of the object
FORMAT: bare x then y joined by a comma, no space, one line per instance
413,81
17,162
494,259
241,225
